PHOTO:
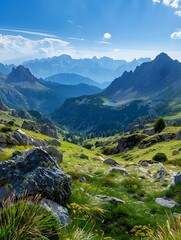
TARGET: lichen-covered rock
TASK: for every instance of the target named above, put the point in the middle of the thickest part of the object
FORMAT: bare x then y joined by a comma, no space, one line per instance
34,173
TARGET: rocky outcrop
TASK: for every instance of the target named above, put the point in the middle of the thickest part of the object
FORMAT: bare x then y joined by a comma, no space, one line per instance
29,126
18,137
147,142
49,130
36,172
54,143
128,143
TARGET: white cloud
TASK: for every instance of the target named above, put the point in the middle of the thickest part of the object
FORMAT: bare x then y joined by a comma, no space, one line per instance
36,33
14,47
178,13
176,35
103,42
78,39
116,50
172,3
156,1
107,35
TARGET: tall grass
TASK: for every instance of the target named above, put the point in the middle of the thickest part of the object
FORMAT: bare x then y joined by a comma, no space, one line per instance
26,220
172,231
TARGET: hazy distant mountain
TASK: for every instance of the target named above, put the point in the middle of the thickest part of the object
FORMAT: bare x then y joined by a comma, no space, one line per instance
20,89
154,87
6,69
101,70
74,79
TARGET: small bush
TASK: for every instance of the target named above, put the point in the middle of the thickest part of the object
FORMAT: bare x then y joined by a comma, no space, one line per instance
6,129
160,157
87,145
159,125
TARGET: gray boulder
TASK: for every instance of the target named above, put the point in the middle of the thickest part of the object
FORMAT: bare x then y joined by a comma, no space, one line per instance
166,202
84,156
178,135
29,126
49,130
177,178
54,152
110,161
117,169
34,173
161,172
61,213
175,152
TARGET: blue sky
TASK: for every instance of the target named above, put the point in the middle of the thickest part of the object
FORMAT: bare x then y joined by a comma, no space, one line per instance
122,29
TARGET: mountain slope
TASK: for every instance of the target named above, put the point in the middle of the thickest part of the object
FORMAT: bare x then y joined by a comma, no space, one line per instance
20,89
148,79
153,88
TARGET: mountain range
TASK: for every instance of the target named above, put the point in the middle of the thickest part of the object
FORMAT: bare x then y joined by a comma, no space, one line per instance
153,88
99,69
21,89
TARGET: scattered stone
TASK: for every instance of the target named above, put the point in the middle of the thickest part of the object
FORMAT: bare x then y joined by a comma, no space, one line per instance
166,202
161,172
177,178
61,213
176,214
175,152
110,161
178,135
82,179
34,173
84,156
143,170
109,199
117,169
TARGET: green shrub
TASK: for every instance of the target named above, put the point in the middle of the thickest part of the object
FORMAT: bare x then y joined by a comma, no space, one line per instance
160,157
6,129
159,125
87,145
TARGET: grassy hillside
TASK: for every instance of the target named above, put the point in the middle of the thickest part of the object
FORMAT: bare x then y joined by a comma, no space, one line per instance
93,218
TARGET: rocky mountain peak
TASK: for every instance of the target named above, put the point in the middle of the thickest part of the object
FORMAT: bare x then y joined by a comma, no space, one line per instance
20,74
